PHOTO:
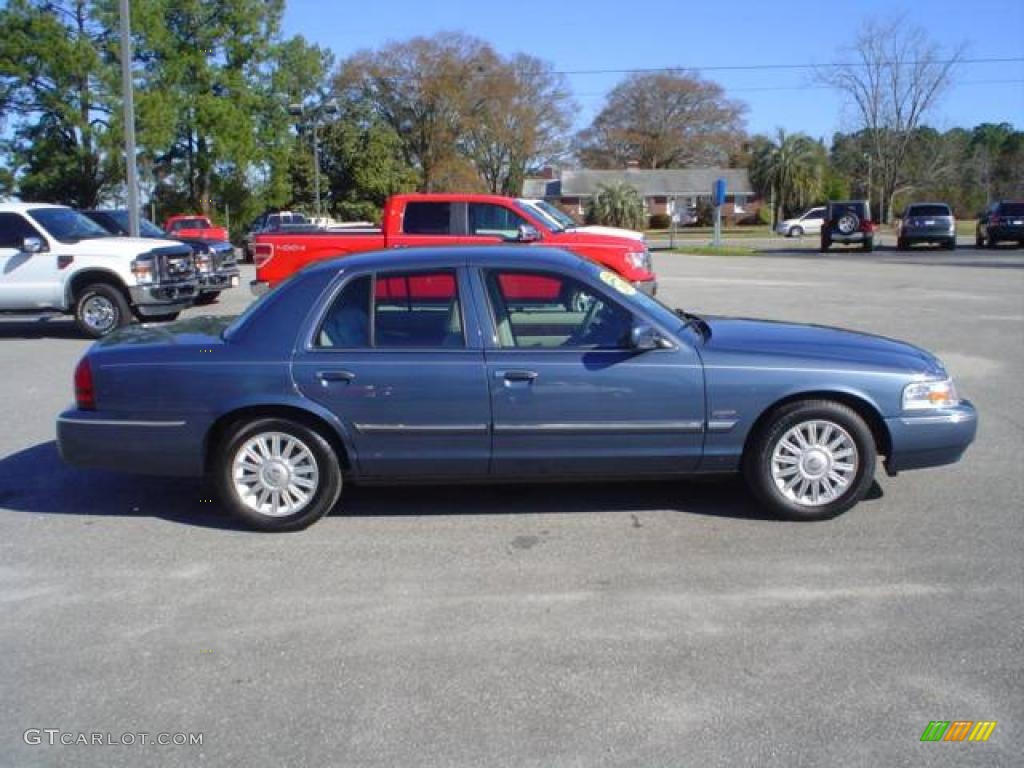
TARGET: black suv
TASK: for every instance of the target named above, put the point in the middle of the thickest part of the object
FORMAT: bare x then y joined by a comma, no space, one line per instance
1001,221
848,222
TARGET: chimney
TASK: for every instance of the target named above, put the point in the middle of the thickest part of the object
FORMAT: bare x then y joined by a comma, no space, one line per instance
547,172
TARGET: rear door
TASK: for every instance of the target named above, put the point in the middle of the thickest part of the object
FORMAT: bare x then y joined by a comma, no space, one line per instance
392,359
570,396
813,220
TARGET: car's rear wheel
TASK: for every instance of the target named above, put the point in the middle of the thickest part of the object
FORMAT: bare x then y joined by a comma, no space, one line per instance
277,474
100,309
825,244
979,241
812,460
950,245
902,245
869,244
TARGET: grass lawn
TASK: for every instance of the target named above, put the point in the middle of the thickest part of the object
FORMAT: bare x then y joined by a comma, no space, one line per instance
711,250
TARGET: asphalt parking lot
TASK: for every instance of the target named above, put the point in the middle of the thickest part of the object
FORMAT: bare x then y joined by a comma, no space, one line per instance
644,625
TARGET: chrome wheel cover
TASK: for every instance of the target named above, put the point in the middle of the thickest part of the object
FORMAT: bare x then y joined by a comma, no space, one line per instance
275,474
99,313
814,463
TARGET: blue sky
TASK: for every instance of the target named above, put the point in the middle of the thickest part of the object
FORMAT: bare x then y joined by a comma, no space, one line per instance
601,34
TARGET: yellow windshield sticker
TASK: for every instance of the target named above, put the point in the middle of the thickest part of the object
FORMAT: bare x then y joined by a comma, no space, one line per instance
616,282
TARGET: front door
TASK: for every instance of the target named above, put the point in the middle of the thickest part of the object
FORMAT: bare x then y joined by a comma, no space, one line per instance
27,280
392,360
571,396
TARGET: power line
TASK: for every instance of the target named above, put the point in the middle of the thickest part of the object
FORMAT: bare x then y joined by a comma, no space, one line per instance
758,67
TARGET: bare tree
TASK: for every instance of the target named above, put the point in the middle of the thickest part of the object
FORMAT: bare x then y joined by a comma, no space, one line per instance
895,76
663,120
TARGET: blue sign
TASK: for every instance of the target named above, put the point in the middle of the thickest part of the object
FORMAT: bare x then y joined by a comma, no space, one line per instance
719,192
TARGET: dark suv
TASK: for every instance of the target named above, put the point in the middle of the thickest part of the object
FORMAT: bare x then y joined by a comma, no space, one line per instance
848,222
1001,221
927,223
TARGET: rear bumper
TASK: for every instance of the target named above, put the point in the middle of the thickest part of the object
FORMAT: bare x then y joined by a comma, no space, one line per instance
853,237
927,235
1004,232
930,440
151,447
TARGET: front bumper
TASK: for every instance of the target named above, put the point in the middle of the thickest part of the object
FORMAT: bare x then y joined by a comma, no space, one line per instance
163,298
259,287
219,281
931,439
148,446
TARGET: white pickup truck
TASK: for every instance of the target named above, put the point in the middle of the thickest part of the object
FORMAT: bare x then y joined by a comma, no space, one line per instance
53,258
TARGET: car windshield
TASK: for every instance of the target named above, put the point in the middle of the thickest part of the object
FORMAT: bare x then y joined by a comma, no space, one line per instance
534,209
146,227
66,225
189,224
928,210
557,214
1012,209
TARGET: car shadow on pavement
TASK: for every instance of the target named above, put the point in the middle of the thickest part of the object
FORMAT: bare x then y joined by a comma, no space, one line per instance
46,328
37,481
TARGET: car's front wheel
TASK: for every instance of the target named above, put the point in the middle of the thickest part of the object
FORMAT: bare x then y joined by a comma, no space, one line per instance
796,232
813,460
100,309
277,474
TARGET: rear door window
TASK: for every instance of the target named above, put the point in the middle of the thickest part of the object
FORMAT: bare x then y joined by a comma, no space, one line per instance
417,309
427,218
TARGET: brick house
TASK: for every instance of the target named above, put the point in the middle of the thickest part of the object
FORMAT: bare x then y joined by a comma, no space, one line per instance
663,191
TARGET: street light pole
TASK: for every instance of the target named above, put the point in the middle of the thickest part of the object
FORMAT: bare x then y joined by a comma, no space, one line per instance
129,121
316,169
315,114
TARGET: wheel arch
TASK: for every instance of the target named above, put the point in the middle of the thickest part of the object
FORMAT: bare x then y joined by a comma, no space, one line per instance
90,276
861,405
309,418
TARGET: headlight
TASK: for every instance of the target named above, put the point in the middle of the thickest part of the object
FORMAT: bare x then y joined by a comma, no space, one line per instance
929,394
204,262
638,260
144,271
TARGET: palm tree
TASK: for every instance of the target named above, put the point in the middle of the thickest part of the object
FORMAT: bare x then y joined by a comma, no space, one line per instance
616,205
789,169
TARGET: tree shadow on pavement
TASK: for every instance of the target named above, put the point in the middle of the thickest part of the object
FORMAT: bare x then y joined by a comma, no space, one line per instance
44,328
37,481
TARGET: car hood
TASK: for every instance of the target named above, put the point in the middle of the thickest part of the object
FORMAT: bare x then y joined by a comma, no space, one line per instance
764,342
115,245
594,229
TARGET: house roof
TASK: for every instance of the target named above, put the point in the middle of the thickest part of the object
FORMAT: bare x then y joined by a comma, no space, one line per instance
682,182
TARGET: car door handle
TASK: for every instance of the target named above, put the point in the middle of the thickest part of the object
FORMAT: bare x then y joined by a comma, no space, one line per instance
516,375
328,376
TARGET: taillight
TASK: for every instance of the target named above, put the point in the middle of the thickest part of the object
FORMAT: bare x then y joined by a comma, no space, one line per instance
867,226
85,397
262,253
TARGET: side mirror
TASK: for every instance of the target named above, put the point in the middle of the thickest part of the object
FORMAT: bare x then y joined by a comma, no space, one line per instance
527,234
644,337
33,245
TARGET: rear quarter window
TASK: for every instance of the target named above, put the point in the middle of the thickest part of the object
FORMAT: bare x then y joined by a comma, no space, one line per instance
928,210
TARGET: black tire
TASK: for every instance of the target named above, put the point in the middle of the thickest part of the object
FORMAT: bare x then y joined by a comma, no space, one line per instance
795,232
869,244
902,245
979,241
205,299
101,309
825,244
327,475
760,455
950,245
991,242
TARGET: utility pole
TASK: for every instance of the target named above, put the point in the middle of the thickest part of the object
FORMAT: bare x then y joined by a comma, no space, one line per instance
128,90
316,113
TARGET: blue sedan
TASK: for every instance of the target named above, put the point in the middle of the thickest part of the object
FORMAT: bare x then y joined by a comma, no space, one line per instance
479,364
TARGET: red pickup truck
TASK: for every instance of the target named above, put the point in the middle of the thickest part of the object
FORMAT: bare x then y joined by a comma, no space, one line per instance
194,227
446,219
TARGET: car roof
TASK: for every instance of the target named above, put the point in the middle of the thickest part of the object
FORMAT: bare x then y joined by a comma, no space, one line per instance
25,207
451,256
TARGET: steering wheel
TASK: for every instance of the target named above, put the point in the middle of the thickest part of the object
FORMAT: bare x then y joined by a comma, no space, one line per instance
579,337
